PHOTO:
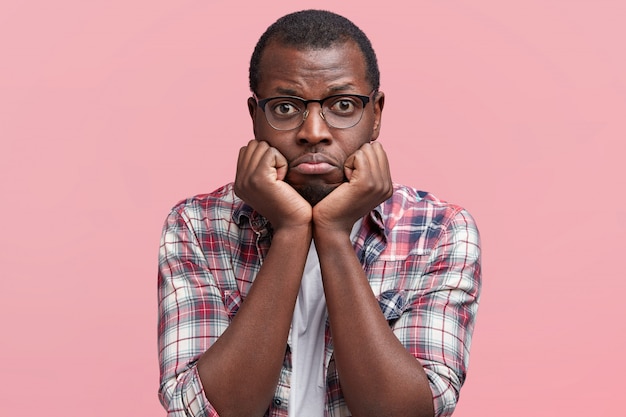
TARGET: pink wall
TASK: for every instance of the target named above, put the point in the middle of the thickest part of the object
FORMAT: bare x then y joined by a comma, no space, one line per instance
110,112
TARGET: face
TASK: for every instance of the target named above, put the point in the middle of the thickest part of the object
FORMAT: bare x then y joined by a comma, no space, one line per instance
316,152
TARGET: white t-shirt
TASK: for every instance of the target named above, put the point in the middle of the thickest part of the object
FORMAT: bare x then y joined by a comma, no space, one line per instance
308,388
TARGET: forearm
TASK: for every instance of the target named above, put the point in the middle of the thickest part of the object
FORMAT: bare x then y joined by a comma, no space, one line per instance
378,376
240,371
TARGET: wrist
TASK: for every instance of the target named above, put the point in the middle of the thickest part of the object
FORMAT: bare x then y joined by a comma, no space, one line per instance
294,232
331,235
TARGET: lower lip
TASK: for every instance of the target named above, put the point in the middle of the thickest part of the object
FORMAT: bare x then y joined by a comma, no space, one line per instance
320,168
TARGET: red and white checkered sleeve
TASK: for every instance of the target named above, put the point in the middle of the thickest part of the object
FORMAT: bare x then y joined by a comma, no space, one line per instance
437,328
191,316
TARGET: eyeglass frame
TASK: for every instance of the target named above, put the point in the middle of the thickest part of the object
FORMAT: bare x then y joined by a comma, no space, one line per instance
364,99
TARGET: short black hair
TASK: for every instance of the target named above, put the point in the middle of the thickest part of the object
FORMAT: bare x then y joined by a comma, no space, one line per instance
316,29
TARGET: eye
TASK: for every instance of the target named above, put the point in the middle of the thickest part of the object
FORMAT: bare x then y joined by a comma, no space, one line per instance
284,108
343,106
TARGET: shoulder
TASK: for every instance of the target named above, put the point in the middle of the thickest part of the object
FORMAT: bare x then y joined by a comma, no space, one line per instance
214,210
221,201
221,197
422,221
410,205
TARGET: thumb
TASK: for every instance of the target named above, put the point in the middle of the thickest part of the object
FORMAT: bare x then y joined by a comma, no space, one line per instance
280,164
348,167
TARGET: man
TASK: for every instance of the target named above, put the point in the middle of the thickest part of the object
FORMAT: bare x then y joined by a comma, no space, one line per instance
314,285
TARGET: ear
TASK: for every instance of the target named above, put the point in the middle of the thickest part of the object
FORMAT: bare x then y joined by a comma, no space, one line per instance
379,102
252,109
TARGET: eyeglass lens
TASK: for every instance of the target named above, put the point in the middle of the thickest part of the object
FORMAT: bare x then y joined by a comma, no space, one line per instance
343,111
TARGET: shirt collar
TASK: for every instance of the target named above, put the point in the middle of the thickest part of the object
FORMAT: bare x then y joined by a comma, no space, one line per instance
245,212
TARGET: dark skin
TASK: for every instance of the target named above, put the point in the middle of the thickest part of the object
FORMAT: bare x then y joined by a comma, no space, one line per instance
283,174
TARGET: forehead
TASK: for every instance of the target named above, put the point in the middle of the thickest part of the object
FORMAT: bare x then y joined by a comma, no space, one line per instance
312,71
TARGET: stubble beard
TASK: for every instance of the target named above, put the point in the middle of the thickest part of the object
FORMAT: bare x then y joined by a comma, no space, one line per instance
314,190
314,193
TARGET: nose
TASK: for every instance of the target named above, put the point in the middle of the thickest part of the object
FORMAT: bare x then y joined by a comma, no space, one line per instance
314,129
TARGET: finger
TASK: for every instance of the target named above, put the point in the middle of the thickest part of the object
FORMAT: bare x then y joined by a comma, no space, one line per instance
348,167
280,163
377,160
381,158
242,162
256,155
373,168
383,164
245,153
359,164
381,155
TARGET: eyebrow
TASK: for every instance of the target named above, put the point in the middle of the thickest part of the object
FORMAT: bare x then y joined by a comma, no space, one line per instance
286,91
334,89
341,87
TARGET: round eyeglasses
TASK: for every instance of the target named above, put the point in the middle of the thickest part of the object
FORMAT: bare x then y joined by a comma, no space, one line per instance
340,111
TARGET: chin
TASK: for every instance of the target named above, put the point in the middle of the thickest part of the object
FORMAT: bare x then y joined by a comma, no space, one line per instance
314,193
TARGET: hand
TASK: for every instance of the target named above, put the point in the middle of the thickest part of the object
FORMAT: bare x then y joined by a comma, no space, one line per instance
259,182
369,184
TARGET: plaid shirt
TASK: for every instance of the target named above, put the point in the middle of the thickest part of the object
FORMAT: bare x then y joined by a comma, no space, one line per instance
421,257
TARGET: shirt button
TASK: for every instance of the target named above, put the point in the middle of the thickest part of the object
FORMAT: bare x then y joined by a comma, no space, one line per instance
277,401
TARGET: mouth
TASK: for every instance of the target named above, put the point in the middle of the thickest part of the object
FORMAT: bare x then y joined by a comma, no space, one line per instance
313,164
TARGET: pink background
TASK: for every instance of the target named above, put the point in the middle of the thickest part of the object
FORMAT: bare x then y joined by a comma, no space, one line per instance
112,111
